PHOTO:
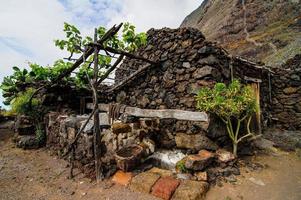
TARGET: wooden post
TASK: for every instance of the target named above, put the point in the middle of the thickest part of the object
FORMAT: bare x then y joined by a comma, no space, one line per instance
97,146
256,88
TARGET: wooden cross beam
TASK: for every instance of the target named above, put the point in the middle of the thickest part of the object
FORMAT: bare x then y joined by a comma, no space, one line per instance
161,113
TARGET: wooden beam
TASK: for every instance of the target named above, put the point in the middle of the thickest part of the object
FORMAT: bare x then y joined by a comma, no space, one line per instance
162,113
131,77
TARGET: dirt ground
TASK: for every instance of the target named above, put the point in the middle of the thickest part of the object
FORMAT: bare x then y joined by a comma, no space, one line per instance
34,174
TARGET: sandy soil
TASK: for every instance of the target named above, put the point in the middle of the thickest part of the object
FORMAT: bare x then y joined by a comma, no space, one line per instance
34,174
280,180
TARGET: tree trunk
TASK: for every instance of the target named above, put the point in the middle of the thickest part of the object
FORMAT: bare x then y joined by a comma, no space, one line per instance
235,149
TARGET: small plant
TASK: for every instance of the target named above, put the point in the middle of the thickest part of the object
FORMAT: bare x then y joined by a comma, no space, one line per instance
181,166
234,103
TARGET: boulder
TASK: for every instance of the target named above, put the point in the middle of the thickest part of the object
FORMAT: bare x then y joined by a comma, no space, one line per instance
191,190
165,187
195,142
144,182
199,161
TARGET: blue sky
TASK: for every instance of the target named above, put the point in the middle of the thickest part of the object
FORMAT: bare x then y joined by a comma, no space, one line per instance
28,28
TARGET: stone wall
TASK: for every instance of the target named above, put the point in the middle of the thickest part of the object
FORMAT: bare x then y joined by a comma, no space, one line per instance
188,62
286,93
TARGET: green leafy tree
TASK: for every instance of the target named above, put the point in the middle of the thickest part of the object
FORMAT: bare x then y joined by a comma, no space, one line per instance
74,43
233,104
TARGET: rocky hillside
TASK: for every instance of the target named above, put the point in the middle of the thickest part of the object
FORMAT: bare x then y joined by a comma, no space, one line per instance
267,31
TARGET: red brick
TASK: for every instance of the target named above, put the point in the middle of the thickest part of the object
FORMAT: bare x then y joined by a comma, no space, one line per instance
165,187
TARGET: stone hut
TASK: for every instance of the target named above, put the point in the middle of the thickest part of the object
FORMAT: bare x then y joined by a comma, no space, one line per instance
187,62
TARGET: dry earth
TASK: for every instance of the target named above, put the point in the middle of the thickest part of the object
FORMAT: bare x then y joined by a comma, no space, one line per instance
34,174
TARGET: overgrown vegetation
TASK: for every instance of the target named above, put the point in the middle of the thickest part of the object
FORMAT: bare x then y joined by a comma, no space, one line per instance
18,88
74,43
233,104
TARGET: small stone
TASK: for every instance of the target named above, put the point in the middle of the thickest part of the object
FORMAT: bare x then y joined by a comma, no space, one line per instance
231,179
165,187
205,71
186,43
195,142
205,50
290,90
122,178
186,65
224,156
121,128
201,176
161,172
191,190
210,60
144,101
199,161
144,182
167,45
184,176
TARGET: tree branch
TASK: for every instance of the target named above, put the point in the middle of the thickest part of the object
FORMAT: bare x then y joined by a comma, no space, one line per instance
103,77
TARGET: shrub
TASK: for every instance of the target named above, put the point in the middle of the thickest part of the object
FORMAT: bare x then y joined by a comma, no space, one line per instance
20,106
232,104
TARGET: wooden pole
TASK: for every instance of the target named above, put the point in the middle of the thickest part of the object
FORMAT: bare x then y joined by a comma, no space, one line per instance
97,146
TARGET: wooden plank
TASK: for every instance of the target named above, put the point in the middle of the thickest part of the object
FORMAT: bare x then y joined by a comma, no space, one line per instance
163,113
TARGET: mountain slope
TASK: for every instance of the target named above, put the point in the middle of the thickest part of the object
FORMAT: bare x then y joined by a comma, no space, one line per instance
260,30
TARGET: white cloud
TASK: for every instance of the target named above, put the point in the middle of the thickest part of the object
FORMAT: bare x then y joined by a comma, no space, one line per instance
29,27
145,14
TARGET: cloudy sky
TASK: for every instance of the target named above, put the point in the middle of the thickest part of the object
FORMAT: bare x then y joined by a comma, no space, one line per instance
28,27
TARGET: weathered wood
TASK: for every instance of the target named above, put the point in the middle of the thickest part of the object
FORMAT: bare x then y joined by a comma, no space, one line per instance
162,113
96,128
117,62
89,51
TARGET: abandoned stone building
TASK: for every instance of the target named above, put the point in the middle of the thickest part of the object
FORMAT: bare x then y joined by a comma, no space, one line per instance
187,62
